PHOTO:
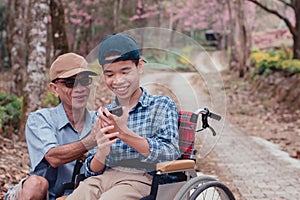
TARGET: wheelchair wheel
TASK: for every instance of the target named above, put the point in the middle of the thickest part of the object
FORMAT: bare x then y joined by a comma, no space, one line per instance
189,187
212,190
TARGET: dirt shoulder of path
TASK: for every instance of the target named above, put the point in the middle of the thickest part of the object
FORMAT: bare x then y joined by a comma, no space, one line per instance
259,117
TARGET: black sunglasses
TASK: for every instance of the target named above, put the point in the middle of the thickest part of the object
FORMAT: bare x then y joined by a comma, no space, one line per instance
73,82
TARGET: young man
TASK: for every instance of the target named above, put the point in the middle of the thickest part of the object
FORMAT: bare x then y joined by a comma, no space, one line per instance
129,146
57,136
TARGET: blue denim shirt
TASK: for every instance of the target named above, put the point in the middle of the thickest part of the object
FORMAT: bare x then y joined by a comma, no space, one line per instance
47,128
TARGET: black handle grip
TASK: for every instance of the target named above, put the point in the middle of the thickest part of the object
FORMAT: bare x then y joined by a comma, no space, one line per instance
206,112
214,116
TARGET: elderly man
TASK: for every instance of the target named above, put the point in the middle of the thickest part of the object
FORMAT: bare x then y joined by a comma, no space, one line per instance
57,136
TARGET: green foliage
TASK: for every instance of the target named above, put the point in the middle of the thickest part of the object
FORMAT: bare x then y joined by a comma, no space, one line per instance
175,59
291,66
11,109
10,112
276,60
50,100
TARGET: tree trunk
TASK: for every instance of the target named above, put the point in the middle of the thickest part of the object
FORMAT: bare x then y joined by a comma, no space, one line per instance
296,35
118,5
36,68
242,45
59,34
3,48
296,47
244,40
16,43
231,47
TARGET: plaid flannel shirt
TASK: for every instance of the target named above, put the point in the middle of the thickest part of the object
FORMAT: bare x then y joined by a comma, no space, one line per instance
154,118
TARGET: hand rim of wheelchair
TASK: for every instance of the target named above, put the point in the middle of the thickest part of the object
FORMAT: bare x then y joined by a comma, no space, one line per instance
222,191
200,184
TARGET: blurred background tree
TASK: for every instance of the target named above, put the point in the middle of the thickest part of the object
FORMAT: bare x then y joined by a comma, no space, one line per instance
58,27
289,12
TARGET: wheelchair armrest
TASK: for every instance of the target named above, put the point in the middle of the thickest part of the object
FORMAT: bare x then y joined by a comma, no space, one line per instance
175,165
62,198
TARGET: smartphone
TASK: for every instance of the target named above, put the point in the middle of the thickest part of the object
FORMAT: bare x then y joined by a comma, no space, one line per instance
115,111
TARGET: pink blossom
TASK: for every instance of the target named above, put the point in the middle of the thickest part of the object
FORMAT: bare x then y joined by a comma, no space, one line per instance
75,21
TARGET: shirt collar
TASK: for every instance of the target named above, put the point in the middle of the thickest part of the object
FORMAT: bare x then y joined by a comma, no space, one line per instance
63,119
62,116
144,99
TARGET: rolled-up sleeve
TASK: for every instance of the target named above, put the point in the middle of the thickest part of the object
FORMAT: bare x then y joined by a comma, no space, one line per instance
88,172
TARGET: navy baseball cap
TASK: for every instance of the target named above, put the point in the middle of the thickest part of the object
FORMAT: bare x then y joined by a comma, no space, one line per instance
118,44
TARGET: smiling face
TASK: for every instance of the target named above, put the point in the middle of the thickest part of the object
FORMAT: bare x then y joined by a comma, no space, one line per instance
123,79
76,97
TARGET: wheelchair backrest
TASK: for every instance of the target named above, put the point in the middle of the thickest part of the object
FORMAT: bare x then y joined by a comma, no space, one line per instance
187,124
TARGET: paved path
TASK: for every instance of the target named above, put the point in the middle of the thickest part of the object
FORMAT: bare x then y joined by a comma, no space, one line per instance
257,168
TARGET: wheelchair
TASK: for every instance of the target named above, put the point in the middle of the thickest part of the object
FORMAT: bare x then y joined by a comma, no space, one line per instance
177,179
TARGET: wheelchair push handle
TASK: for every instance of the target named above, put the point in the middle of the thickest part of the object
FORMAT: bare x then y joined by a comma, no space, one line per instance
205,113
212,115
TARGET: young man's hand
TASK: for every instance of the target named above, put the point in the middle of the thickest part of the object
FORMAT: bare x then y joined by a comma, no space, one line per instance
104,140
119,123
